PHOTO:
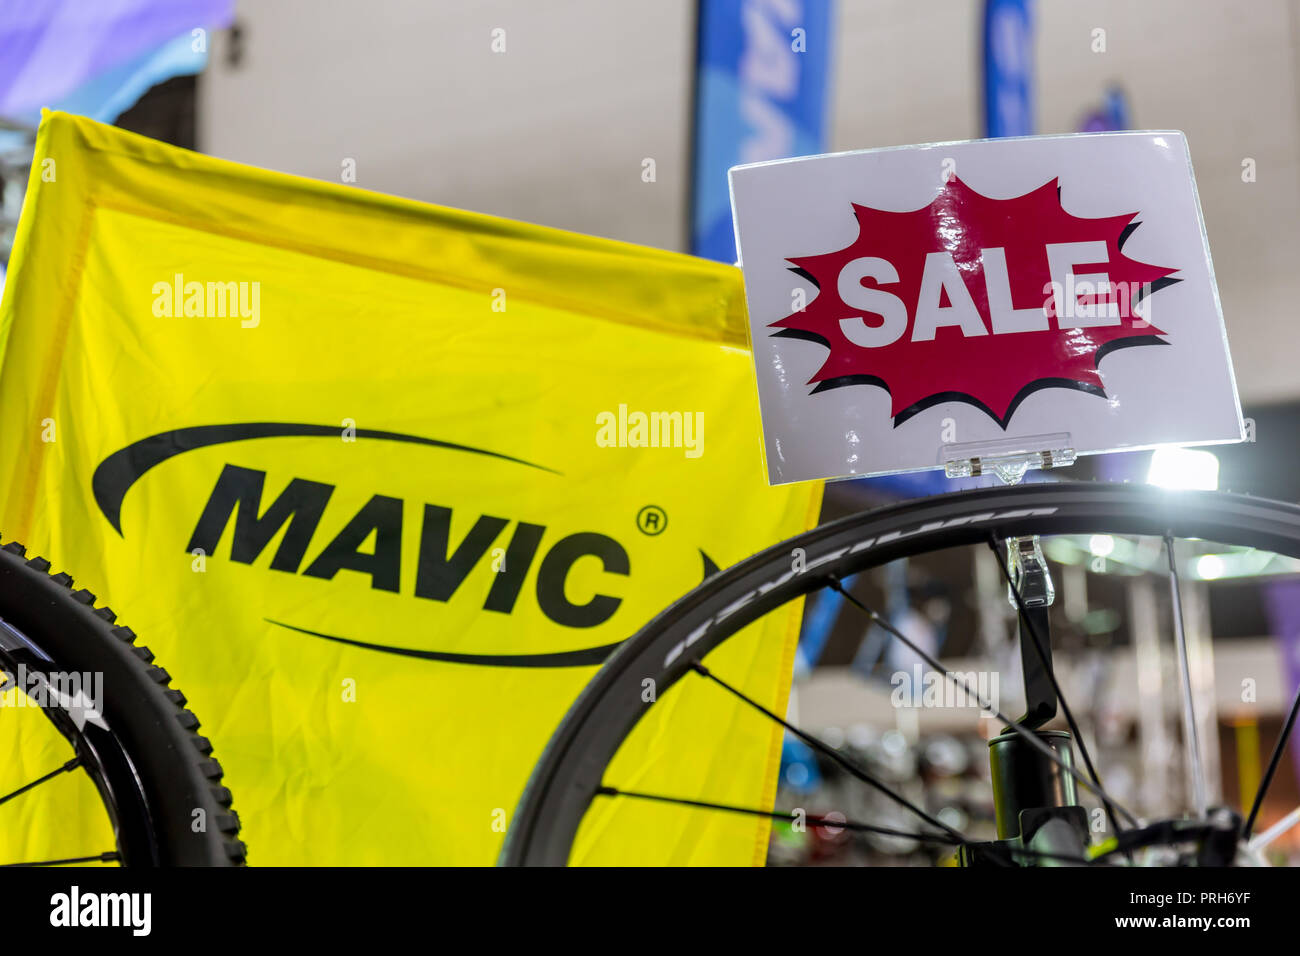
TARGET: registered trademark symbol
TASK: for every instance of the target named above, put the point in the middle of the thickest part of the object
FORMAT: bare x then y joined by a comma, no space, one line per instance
652,520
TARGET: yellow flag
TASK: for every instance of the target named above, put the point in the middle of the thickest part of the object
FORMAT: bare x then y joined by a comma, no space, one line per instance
382,484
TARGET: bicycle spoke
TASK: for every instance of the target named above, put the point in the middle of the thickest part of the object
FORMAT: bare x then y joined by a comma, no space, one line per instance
814,820
1027,734
1191,738
1273,761
1276,830
819,821
832,753
110,856
70,765
1037,642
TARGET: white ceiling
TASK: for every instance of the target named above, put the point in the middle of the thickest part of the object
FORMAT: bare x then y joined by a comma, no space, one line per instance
555,129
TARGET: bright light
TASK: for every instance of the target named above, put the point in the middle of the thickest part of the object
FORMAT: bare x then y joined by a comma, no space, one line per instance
1184,468
1101,545
1209,567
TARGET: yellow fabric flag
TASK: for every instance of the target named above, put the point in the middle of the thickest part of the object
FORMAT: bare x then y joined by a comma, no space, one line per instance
381,484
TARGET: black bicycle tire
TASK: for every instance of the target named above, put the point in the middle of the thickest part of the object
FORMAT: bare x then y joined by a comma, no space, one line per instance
565,778
173,763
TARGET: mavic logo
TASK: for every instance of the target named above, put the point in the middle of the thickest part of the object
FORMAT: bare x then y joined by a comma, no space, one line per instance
442,565
284,535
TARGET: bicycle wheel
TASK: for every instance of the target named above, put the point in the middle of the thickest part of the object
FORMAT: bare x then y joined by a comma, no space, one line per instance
130,734
570,773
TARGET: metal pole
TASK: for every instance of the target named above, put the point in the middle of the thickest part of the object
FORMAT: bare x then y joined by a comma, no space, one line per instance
1155,746
1200,663
1191,739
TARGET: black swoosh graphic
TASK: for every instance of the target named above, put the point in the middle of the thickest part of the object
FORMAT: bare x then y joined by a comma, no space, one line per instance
583,657
710,567
115,475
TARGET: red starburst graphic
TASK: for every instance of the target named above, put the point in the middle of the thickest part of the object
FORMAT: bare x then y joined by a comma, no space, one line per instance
976,300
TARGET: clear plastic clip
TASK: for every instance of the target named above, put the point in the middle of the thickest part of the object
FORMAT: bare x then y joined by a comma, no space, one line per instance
1008,459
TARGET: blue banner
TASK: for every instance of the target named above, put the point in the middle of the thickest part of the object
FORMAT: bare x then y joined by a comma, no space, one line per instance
762,71
51,49
1110,116
1008,68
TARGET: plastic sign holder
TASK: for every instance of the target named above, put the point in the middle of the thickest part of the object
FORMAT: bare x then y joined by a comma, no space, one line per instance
1008,460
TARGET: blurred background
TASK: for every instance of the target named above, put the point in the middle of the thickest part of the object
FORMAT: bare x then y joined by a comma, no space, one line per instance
620,119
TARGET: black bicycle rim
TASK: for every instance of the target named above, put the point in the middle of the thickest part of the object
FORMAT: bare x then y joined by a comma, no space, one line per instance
101,756
570,770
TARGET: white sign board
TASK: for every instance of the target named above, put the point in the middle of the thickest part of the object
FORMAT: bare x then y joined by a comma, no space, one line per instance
905,302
